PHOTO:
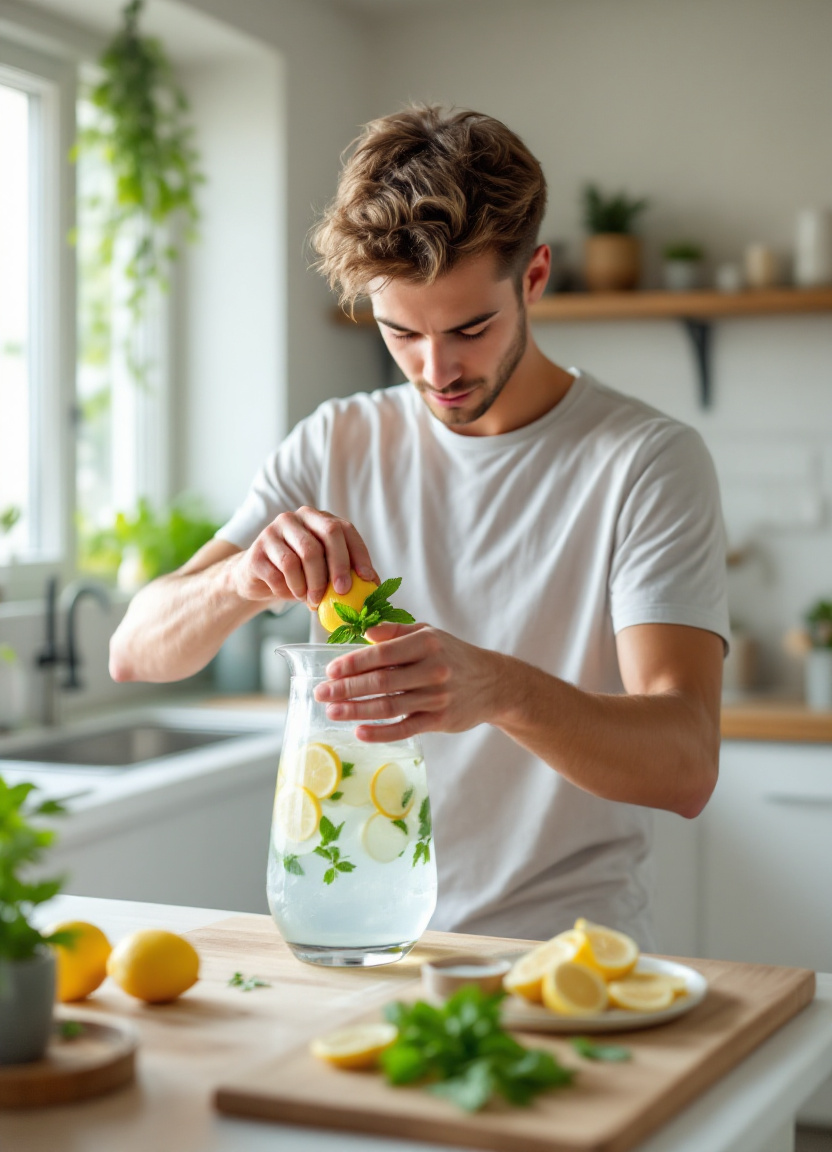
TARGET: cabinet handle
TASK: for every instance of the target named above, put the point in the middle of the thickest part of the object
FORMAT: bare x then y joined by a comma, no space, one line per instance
800,799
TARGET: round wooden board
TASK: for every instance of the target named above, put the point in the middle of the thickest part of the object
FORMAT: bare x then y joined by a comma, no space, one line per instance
98,1060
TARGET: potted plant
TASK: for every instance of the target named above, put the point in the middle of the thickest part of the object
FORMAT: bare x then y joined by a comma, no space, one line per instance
140,546
682,266
819,656
27,964
612,255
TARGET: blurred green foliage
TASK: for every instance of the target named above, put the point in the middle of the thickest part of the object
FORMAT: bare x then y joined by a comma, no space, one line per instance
142,134
162,540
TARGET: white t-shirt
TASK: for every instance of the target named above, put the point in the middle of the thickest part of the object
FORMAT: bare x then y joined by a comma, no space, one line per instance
541,543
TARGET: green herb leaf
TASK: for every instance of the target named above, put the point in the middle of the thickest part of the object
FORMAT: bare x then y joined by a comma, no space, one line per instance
70,1029
329,832
590,1050
247,983
424,819
382,594
342,635
408,792
293,865
335,796
401,824
347,769
391,615
329,876
325,852
347,614
463,1054
345,866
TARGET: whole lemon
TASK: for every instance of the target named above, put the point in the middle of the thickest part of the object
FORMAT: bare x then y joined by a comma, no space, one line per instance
82,965
358,593
154,965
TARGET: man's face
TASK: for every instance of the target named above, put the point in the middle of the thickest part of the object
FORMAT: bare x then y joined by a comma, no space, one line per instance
458,340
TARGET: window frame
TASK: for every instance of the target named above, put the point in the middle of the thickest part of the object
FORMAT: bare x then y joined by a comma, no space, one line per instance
52,324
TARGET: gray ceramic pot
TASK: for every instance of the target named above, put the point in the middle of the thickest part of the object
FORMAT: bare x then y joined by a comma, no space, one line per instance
27,994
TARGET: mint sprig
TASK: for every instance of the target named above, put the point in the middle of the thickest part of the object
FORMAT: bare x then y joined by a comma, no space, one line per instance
376,609
461,1052
421,850
591,1050
328,850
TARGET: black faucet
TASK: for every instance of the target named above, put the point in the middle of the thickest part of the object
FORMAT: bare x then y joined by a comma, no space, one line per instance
50,656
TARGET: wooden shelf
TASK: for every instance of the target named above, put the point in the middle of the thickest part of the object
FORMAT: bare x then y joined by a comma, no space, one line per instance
695,310
776,720
567,306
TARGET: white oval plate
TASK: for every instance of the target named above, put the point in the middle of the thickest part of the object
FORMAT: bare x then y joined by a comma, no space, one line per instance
525,1017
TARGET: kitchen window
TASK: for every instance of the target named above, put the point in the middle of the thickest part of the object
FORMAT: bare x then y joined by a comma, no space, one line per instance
36,314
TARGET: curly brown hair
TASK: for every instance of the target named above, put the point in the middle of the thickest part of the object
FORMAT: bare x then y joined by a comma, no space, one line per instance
424,188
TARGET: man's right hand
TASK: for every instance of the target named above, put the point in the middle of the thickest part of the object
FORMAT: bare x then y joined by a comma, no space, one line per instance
298,555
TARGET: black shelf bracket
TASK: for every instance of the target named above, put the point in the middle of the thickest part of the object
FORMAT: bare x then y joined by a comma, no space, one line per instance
699,332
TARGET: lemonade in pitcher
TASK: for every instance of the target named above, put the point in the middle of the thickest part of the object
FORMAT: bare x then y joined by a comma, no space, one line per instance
352,873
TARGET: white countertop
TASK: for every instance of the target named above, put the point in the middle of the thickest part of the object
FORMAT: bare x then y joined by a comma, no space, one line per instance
749,1110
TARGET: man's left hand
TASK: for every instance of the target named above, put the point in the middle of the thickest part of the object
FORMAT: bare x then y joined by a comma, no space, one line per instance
419,678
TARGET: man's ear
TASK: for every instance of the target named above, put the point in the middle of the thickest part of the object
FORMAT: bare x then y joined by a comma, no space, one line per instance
536,275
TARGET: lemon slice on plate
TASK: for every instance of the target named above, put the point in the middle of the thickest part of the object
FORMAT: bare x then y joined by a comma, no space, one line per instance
383,841
319,770
356,1047
526,975
573,989
610,953
643,992
390,791
298,812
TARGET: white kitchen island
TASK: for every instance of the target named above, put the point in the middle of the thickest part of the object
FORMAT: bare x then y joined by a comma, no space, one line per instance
751,1110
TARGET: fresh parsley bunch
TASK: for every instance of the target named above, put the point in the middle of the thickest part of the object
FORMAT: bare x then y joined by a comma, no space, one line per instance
464,1055
376,609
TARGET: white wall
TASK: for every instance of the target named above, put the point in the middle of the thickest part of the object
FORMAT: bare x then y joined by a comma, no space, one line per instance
230,335
720,114
326,71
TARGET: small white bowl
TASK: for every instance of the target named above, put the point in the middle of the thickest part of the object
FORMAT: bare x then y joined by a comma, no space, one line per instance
441,978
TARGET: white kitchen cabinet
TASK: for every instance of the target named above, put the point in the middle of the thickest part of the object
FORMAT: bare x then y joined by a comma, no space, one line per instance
766,856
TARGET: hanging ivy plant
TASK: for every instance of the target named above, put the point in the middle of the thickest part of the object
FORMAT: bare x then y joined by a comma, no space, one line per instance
141,133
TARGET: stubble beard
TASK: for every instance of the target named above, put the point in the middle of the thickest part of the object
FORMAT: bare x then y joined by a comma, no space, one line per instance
505,370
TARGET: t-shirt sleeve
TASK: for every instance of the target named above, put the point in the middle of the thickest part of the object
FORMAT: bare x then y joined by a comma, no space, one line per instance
669,561
289,479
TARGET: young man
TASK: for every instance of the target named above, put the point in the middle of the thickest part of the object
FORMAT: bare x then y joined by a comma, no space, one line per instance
561,542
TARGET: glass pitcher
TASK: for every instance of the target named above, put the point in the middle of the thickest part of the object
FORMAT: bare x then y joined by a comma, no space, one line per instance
352,874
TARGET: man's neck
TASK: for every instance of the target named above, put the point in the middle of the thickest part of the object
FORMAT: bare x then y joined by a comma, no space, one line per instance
535,387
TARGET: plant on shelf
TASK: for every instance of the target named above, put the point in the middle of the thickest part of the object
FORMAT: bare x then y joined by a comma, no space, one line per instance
141,133
139,546
819,624
612,255
27,965
682,263
813,643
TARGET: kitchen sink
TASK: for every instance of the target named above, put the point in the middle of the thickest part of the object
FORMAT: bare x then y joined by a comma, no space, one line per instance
121,747
125,742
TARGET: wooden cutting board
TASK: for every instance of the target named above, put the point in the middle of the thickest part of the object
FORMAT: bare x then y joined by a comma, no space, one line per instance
609,1108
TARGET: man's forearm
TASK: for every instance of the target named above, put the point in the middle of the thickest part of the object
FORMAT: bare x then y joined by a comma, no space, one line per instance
175,625
658,750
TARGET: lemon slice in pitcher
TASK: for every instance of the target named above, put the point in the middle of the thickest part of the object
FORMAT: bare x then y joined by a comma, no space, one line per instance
390,791
382,840
319,770
298,812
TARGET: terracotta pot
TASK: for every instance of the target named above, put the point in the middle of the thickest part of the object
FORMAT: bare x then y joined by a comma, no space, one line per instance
612,262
